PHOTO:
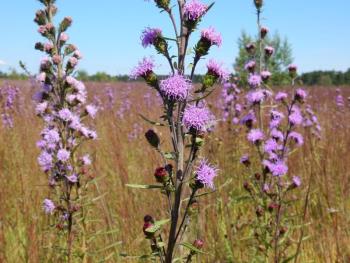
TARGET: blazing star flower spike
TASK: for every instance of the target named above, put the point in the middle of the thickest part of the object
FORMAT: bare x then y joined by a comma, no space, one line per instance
144,67
149,36
216,69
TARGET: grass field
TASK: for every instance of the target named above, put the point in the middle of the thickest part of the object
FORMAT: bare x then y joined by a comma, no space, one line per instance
121,156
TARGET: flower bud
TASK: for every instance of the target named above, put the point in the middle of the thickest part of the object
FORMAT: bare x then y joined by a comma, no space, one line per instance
263,32
152,138
163,4
247,186
258,3
69,49
292,69
39,46
160,174
250,48
56,59
66,22
198,243
269,51
272,206
40,17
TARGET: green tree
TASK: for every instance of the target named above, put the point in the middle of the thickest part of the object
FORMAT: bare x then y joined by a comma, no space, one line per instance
277,63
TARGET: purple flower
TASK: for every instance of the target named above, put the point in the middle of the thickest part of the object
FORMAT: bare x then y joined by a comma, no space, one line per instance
205,174
216,69
198,118
292,68
149,36
73,178
277,135
65,114
143,68
212,36
91,110
295,118
176,87
265,75
271,145
255,96
300,94
45,161
250,66
254,81
52,136
48,206
278,168
249,119
281,96
296,137
194,10
269,51
255,136
41,108
86,160
63,155
296,181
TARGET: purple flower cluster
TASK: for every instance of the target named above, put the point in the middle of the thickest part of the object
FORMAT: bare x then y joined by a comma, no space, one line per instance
212,36
176,87
198,118
205,174
149,36
8,95
194,10
216,69
144,67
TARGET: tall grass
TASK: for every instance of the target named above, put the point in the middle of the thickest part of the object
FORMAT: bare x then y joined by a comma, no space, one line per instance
117,216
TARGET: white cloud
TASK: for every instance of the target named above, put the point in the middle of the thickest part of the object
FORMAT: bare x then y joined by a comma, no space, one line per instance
2,62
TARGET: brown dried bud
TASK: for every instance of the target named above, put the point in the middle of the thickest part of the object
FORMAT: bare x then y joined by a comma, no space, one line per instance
152,138
258,3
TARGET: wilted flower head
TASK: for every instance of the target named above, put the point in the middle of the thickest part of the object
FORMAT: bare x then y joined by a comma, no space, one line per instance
176,87
198,118
212,36
149,35
194,10
205,174
143,68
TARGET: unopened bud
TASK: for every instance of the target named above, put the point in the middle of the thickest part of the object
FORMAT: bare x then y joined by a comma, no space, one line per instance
152,138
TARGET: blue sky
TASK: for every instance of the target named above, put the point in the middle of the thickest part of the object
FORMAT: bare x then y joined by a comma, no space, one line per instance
108,31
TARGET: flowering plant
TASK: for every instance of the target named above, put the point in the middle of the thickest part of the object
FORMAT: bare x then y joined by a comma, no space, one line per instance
188,118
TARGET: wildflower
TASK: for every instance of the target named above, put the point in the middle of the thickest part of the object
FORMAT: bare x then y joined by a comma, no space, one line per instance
254,81
86,160
63,155
48,206
91,110
265,75
295,118
65,114
160,174
250,48
198,243
250,66
296,181
176,87
149,36
213,37
255,96
45,161
194,10
281,96
143,69
264,30
300,95
198,118
205,174
296,137
245,160
269,51
216,69
255,136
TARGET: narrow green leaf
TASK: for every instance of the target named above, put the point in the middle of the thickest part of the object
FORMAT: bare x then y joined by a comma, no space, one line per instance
144,186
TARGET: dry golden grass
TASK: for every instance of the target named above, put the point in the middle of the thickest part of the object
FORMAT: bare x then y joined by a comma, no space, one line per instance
118,160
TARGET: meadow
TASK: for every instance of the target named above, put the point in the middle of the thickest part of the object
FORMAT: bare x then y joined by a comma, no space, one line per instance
120,156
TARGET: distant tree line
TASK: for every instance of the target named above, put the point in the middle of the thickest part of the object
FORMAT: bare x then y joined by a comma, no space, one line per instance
326,78
313,78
